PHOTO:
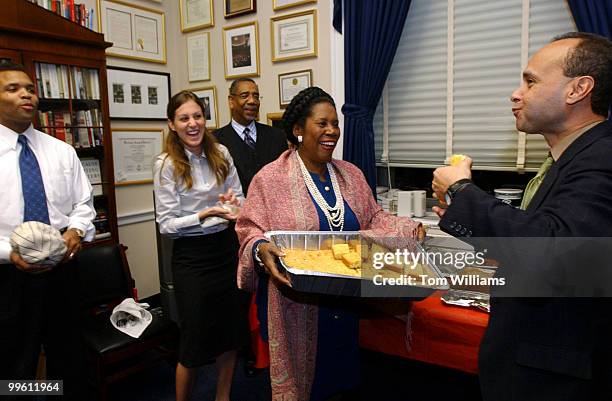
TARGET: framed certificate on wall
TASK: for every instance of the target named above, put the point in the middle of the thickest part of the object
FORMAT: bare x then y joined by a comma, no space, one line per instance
196,14
290,83
136,32
294,36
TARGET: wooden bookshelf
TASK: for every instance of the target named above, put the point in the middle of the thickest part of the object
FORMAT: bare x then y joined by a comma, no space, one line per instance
68,63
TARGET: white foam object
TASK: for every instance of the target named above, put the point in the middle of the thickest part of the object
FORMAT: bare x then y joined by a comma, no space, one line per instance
38,243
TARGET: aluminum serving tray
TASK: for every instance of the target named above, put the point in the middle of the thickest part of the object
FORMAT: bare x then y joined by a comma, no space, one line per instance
336,284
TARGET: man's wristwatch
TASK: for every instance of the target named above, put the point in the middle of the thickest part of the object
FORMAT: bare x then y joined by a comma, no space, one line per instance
455,188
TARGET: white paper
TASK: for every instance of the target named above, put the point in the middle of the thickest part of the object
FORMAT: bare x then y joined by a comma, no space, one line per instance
131,317
118,28
293,36
197,12
197,57
145,30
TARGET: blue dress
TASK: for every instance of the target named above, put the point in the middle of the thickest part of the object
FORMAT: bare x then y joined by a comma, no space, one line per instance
337,365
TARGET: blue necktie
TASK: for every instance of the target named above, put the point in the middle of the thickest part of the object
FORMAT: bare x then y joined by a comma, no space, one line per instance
34,198
248,139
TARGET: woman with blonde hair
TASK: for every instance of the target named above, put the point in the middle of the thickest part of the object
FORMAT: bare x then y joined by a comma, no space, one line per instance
197,196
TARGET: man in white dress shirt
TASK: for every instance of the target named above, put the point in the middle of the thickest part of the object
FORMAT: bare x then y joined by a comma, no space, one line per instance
37,304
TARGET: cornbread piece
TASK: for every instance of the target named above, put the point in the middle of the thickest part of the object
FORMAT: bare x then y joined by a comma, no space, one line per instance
330,242
352,260
455,159
321,261
339,250
356,245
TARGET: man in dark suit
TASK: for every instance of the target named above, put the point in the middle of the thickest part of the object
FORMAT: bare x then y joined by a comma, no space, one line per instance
251,144
543,342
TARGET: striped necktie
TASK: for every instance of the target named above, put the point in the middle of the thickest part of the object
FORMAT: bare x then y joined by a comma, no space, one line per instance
535,182
248,138
32,186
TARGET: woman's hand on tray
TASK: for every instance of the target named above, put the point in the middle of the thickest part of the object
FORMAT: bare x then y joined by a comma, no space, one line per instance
268,253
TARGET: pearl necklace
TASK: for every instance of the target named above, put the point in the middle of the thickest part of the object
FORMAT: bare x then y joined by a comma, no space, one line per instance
335,214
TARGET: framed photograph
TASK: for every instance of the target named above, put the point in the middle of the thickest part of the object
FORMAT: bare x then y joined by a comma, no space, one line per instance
133,152
290,83
282,4
241,50
294,36
208,95
196,14
198,57
234,8
137,94
136,32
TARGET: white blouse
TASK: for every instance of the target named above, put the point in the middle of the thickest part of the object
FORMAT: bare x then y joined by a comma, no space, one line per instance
177,207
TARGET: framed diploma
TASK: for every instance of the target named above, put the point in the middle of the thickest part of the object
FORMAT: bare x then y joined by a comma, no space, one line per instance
208,95
241,50
134,150
136,32
282,4
198,57
294,36
234,8
196,14
289,84
137,94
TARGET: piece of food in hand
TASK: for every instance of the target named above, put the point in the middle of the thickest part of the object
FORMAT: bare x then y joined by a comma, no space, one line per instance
456,159
38,243
339,250
352,260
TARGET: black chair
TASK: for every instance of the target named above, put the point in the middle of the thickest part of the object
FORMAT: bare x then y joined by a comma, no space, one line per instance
105,281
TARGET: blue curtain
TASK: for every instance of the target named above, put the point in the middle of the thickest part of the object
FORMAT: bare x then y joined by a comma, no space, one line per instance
372,30
593,16
337,17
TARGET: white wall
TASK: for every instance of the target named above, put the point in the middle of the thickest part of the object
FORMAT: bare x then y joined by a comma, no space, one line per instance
135,202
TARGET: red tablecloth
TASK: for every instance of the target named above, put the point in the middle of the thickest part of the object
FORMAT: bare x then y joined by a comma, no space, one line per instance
442,334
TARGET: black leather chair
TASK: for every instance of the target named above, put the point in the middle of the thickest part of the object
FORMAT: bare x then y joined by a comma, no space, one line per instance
104,281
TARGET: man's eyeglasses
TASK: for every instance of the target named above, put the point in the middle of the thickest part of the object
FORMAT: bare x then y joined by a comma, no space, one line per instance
246,95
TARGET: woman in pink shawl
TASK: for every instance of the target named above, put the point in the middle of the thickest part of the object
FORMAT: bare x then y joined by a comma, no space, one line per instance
312,339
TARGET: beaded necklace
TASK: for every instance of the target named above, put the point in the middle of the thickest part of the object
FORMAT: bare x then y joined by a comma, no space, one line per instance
335,214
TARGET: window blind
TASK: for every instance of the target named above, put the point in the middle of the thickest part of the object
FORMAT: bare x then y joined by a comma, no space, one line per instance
477,45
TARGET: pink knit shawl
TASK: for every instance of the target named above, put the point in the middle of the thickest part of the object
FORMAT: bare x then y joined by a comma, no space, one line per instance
279,200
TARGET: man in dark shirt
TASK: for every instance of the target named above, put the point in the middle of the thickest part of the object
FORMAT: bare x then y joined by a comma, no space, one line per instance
251,144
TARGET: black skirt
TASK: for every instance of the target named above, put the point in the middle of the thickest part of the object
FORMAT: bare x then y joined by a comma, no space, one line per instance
212,317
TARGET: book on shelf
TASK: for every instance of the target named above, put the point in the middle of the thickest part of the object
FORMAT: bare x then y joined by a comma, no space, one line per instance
75,12
60,81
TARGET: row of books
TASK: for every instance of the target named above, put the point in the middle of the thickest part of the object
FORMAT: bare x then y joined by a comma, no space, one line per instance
62,118
79,137
59,81
68,9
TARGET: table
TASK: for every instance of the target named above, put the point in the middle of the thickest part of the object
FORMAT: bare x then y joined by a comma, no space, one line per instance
443,335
